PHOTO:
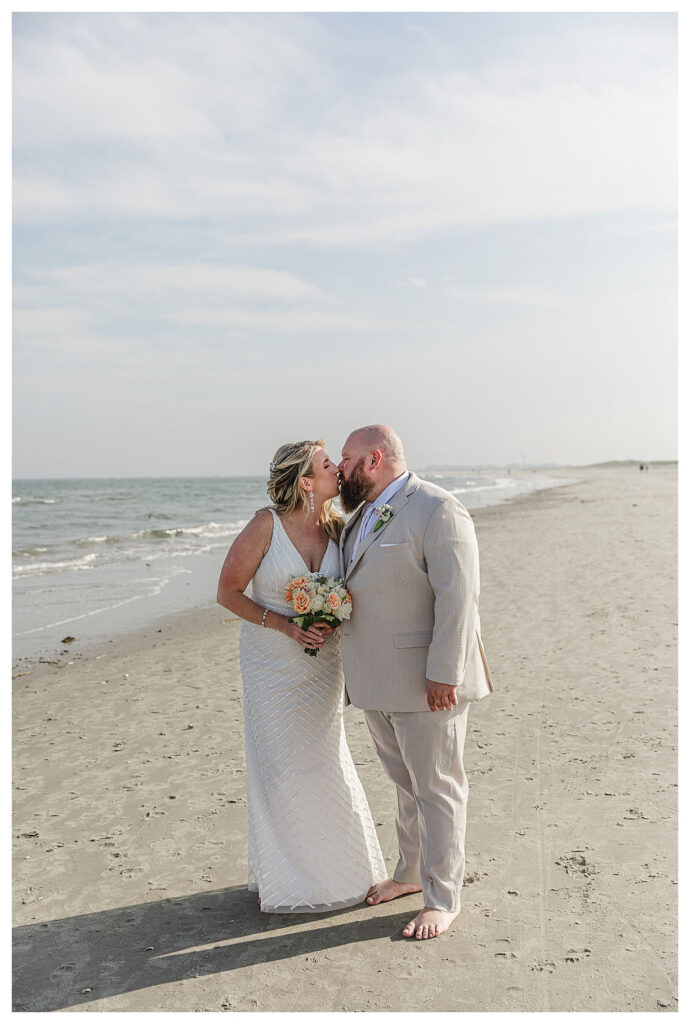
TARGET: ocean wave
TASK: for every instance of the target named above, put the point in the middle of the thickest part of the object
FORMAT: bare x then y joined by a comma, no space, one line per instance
447,474
118,548
36,568
210,530
34,501
500,483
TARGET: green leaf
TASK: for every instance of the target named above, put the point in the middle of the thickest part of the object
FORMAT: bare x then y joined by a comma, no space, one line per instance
302,620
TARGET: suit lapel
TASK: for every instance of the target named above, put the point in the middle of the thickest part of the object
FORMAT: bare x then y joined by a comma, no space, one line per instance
347,529
351,522
397,502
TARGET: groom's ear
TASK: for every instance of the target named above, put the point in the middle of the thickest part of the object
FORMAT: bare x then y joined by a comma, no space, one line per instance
376,457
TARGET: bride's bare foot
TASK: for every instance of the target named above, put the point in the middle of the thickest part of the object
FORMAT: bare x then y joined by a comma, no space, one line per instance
429,923
381,892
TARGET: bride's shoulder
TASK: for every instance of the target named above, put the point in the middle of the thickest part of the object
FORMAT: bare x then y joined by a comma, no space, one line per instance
259,529
262,522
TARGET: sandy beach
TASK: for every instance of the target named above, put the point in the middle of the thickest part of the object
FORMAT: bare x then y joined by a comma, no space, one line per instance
130,810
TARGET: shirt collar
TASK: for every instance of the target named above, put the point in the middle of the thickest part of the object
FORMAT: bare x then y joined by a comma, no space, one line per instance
393,487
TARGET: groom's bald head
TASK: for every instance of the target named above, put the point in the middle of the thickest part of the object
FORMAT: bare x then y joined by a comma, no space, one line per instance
379,437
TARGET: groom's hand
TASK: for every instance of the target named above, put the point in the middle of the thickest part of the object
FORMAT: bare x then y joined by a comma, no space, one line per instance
440,696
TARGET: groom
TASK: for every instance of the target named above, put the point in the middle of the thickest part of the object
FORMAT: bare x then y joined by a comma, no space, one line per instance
413,659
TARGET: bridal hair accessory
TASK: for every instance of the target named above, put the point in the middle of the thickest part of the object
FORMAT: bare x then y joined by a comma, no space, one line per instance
271,466
384,512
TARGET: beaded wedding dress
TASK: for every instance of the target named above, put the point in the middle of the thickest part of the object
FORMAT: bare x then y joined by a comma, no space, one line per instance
312,842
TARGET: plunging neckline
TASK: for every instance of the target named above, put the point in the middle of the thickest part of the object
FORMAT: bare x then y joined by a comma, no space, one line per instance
296,550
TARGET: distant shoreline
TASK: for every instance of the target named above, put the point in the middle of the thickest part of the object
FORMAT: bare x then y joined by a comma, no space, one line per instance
475,466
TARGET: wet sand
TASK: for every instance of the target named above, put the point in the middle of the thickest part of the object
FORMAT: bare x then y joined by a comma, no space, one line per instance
130,809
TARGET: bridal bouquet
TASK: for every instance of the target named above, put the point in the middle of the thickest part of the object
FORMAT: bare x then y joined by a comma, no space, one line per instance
317,598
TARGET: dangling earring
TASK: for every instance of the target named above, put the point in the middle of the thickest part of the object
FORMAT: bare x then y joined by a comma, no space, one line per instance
311,500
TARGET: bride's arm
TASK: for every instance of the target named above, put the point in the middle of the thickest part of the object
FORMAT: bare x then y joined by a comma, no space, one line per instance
241,562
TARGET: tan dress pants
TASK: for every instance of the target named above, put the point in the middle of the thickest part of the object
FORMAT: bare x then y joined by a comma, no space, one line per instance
422,753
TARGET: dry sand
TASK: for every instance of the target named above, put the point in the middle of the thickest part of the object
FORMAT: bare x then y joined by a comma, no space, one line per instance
130,811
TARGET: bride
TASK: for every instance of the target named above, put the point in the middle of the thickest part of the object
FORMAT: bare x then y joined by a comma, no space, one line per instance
312,842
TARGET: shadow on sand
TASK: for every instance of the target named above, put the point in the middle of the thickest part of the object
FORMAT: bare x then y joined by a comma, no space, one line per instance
109,951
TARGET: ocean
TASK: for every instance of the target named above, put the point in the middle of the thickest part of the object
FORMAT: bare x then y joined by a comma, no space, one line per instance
94,559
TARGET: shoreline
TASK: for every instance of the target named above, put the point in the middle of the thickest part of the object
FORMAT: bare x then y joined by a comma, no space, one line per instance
130,838
133,639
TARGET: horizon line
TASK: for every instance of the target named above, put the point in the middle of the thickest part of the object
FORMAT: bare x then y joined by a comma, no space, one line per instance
434,467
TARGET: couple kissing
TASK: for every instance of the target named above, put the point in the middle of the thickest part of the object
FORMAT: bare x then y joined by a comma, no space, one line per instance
408,653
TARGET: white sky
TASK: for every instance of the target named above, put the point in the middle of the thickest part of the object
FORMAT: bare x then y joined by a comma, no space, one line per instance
234,230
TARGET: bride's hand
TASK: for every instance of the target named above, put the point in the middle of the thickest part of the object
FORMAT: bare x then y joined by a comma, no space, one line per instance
311,637
325,628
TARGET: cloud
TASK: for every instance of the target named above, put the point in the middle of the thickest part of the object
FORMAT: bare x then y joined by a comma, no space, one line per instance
251,121
214,212
154,279
529,297
473,154
288,322
182,295
51,322
155,80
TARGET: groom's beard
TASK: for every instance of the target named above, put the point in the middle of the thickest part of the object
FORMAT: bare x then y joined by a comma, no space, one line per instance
356,489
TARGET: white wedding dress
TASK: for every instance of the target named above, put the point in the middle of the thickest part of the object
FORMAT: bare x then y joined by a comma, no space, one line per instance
312,842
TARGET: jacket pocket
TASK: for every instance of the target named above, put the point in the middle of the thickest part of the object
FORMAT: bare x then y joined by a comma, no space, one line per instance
412,639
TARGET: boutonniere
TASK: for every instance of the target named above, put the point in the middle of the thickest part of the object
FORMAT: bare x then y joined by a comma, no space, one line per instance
384,512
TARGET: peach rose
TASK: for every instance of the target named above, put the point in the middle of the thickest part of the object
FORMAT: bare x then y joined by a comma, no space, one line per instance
333,601
301,601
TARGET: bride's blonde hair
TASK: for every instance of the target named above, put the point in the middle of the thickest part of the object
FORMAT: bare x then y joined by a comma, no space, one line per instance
290,463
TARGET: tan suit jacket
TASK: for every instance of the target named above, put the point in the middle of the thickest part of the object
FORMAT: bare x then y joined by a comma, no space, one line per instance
415,594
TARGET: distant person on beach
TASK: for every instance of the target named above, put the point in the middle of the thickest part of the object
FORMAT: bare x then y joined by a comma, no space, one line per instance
413,659
312,842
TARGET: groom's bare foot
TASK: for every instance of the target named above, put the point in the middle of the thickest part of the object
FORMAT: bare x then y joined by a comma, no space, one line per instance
429,923
381,892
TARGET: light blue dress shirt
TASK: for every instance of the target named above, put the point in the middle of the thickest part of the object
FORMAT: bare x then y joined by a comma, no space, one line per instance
369,518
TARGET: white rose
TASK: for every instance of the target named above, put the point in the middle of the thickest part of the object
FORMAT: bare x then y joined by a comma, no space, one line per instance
317,603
